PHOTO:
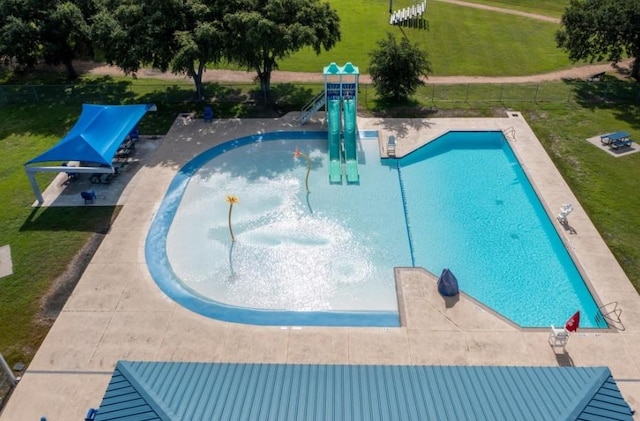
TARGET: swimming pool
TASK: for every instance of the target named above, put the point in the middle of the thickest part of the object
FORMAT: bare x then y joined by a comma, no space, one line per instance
479,216
327,258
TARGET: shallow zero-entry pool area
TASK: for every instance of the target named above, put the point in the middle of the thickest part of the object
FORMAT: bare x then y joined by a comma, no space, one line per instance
327,257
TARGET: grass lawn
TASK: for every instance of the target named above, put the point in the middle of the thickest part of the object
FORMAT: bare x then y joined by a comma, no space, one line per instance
43,241
460,40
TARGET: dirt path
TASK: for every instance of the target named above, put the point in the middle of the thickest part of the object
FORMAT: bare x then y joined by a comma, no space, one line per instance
581,72
502,10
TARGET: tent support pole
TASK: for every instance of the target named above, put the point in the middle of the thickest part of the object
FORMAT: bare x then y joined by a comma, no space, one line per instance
35,187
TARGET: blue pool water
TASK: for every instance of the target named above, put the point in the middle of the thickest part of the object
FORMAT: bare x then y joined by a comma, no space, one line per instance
327,258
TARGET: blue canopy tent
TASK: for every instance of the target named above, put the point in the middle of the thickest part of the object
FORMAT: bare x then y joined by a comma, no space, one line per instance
94,139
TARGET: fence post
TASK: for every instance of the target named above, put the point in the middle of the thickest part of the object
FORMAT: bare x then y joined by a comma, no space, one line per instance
4,97
5,367
501,91
366,104
535,97
35,93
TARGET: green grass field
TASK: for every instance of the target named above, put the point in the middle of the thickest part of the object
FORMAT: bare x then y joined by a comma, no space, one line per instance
460,41
43,241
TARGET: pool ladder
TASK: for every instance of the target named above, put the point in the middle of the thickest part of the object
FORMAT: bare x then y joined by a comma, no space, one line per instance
610,316
510,133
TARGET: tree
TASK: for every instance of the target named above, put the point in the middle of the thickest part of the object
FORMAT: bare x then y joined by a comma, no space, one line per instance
396,68
599,30
19,38
56,31
176,35
262,32
65,33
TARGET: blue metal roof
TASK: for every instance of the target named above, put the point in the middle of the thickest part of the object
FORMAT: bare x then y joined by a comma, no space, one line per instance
223,391
97,134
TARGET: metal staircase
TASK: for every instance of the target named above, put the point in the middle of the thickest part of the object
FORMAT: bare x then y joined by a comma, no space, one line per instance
312,107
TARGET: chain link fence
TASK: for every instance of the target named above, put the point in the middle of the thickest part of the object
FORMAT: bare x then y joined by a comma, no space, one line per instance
569,91
122,92
90,93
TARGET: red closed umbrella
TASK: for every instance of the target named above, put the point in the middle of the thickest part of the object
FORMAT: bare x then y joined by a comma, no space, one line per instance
573,323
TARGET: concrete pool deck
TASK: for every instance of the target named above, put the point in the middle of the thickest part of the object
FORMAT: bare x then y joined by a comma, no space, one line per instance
116,311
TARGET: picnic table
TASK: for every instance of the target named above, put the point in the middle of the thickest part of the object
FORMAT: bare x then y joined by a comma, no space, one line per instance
608,139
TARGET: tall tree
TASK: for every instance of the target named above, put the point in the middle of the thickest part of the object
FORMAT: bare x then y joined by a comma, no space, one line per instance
397,68
65,33
182,36
53,30
262,32
19,36
599,30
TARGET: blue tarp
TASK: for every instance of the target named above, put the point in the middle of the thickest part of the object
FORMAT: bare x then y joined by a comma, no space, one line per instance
97,134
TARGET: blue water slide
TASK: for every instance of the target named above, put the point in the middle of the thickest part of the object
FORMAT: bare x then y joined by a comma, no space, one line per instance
335,158
350,146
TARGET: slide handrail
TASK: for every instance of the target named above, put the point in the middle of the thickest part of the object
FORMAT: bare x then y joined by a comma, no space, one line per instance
312,107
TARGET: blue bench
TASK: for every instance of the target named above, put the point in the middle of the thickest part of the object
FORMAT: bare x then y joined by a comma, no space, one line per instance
621,143
88,196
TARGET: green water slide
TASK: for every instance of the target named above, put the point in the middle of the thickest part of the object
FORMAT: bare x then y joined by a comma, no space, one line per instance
335,158
350,146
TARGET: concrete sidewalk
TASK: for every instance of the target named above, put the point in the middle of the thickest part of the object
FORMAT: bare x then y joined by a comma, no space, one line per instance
116,312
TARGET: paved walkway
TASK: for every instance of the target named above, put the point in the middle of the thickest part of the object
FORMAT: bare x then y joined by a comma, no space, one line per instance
116,312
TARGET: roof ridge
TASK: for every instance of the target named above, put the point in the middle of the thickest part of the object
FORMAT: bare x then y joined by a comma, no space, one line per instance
130,372
576,408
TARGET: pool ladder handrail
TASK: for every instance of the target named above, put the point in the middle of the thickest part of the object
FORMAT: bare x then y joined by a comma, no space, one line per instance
604,315
312,107
391,146
510,134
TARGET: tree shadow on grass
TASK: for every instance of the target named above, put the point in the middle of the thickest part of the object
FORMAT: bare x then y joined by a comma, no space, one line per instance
45,76
409,115
622,97
97,219
287,95
226,102
385,108
103,90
